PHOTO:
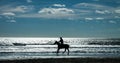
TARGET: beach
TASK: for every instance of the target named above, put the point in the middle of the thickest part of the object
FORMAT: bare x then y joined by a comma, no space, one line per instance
64,60
42,50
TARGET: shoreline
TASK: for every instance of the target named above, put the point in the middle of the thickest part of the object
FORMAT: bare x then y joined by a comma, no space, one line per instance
63,60
49,57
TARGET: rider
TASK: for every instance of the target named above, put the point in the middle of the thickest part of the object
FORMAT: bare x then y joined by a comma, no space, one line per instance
61,40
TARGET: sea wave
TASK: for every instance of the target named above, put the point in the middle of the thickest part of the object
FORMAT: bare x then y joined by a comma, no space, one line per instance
50,41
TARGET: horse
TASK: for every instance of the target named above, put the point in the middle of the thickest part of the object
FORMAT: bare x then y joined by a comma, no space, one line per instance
61,46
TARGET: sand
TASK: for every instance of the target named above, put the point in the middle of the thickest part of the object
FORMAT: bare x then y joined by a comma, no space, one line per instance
64,60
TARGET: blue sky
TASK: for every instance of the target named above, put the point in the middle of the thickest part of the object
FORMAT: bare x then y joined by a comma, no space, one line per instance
54,18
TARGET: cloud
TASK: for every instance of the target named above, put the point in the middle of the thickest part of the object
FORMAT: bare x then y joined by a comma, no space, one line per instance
59,5
102,12
90,6
88,18
16,9
56,11
12,21
113,22
117,16
52,13
117,11
99,18
97,11
8,14
21,9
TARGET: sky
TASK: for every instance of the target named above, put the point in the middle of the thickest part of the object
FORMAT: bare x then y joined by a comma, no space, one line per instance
54,18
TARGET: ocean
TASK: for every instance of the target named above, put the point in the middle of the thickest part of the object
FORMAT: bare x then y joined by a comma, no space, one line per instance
45,48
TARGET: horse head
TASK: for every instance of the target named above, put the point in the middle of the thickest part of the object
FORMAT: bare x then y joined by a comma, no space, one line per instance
56,42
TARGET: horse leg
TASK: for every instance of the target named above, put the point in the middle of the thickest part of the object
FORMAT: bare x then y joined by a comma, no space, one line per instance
57,51
68,51
65,50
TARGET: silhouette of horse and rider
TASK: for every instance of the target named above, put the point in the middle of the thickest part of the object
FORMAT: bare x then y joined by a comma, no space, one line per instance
61,45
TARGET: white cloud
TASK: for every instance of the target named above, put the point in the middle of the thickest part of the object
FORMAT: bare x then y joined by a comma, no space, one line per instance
117,11
88,18
96,11
102,12
59,5
12,21
49,16
16,9
99,18
9,17
29,1
52,13
91,6
56,11
117,16
8,14
113,22
21,8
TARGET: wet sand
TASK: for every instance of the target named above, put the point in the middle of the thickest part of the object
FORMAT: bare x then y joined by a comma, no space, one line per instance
64,60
